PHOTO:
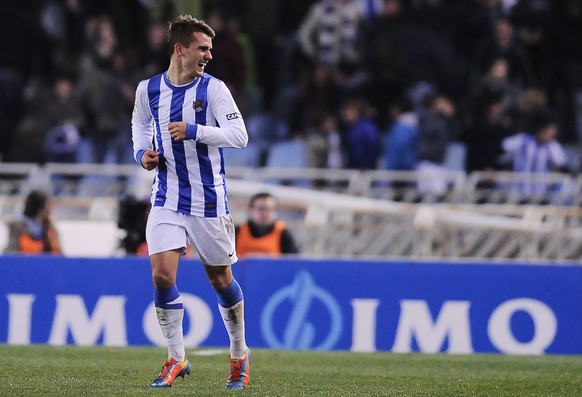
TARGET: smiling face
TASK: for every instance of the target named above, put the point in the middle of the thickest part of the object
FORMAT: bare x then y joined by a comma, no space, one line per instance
196,55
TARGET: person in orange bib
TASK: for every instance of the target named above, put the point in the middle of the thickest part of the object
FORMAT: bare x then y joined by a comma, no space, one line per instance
264,233
34,232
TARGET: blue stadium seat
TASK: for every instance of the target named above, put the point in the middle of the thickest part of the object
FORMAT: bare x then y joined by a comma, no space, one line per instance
287,154
247,157
99,186
266,128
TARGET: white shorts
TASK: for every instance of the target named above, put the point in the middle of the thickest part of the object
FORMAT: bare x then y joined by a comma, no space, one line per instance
213,238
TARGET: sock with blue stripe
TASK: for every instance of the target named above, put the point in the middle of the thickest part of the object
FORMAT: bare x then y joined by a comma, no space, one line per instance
170,313
231,307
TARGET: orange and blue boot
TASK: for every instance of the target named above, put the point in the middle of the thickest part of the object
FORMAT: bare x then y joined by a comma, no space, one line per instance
240,372
170,371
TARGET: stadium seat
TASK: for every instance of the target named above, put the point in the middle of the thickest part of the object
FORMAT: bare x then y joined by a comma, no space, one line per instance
99,186
455,156
266,128
247,157
288,154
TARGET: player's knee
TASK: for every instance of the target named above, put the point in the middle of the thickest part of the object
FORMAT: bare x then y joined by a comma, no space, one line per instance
220,277
163,280
218,283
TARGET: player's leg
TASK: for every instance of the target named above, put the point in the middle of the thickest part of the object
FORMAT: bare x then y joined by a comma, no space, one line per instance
166,239
231,307
214,241
168,302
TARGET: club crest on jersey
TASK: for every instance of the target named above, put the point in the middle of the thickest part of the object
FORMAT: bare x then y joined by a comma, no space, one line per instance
197,105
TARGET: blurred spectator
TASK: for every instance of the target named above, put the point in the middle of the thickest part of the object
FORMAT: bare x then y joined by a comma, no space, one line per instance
66,121
250,97
52,123
63,23
292,69
400,53
536,152
459,23
483,140
19,24
311,95
34,232
290,15
97,88
530,103
324,144
371,8
228,63
155,56
437,130
124,79
401,145
504,44
529,17
562,51
61,144
361,136
315,55
264,233
30,133
496,80
329,33
329,36
494,84
107,81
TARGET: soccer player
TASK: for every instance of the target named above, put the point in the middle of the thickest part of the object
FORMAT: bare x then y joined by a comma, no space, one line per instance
181,120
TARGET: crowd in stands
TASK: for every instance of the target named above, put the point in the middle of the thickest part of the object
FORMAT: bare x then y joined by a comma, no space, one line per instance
364,84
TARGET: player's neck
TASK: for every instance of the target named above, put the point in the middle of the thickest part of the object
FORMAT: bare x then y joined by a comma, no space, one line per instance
178,75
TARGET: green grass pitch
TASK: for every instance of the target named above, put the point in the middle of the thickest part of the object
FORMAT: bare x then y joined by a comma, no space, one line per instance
41,370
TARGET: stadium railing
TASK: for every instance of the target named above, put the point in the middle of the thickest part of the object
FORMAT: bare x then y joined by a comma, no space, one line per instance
341,212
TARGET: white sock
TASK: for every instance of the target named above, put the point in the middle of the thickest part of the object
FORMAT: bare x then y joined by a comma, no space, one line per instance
234,321
170,321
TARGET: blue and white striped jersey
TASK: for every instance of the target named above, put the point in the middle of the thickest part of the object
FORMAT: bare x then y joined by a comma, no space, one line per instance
190,177
531,156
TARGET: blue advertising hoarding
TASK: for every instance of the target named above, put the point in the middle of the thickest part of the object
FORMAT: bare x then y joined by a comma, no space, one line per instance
294,303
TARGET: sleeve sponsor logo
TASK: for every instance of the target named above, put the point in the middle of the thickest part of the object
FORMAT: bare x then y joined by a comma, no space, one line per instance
232,116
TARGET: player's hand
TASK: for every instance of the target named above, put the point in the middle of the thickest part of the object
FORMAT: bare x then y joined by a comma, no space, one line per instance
177,130
150,159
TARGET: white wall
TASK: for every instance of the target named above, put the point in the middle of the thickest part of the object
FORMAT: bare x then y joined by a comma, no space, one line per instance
89,238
